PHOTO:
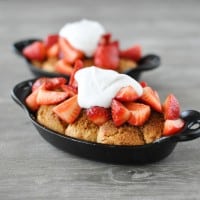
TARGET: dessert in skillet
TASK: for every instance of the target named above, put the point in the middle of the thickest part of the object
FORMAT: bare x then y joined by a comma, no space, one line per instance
86,40
104,106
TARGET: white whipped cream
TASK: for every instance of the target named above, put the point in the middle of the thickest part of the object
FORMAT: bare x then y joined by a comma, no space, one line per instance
97,87
83,35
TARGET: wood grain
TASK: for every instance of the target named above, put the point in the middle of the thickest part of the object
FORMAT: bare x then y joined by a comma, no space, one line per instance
31,168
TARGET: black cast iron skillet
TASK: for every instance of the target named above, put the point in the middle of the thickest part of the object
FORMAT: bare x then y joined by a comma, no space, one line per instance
111,153
146,63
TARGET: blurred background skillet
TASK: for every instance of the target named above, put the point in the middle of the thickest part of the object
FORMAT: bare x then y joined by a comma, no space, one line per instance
147,62
111,153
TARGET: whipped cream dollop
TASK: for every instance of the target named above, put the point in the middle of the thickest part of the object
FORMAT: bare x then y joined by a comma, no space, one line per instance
97,87
83,35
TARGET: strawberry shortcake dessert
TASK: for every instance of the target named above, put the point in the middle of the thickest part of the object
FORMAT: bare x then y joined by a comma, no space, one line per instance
104,106
86,40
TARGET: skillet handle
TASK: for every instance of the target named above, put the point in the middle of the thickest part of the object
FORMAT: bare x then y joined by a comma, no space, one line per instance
192,127
20,91
148,62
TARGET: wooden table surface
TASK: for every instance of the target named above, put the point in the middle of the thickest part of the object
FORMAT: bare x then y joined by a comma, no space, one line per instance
31,168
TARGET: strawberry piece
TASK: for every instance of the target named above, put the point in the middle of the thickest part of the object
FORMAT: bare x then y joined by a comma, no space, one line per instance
53,51
127,94
50,40
63,67
78,65
46,97
171,107
133,53
107,53
151,98
143,84
71,91
120,114
173,126
68,110
69,53
35,51
98,115
140,113
31,101
49,83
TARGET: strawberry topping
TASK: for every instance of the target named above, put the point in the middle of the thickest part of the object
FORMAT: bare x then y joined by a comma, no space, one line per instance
140,113
171,107
127,94
151,98
98,115
68,110
172,126
35,51
120,114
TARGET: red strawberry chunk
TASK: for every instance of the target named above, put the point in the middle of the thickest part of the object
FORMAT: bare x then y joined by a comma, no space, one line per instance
143,84
98,115
69,53
35,51
172,126
171,107
120,114
127,94
78,65
151,98
68,110
107,53
140,113
50,40
48,83
47,97
134,53
53,51
31,101
71,91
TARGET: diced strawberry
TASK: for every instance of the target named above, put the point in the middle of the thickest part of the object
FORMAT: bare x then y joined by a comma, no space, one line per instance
156,95
107,53
71,91
140,113
53,51
68,110
173,126
63,67
127,94
78,65
105,39
47,97
49,83
98,115
35,51
134,53
143,84
31,101
120,114
151,98
171,107
50,40
69,53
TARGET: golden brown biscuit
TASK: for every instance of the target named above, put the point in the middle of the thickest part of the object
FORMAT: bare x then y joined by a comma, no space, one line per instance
107,133
48,118
153,128
83,129
49,64
124,135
